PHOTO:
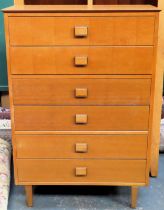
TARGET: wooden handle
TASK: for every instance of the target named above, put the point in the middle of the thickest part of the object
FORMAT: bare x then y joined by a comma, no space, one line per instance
81,31
81,147
81,92
81,60
81,119
81,171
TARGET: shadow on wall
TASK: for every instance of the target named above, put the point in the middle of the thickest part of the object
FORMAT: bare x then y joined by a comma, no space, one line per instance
3,65
153,2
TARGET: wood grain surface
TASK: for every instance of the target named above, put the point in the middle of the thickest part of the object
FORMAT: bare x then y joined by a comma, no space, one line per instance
101,30
65,91
50,60
98,146
63,118
98,171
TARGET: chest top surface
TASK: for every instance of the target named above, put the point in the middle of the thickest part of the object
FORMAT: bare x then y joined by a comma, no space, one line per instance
82,8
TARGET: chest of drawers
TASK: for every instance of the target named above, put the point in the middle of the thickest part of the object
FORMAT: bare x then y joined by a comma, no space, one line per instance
81,85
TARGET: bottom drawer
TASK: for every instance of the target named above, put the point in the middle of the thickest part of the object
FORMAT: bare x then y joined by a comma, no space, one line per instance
79,171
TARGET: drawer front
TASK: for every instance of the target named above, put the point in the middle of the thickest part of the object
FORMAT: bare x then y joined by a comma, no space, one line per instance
81,171
45,91
81,60
81,118
81,146
81,30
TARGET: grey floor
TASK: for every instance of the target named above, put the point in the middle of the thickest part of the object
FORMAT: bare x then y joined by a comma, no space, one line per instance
92,198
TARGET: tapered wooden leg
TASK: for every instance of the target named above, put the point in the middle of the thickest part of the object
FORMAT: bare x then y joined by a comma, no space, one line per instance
134,195
29,196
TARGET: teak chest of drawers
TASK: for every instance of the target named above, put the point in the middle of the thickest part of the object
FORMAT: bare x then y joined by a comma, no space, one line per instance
81,85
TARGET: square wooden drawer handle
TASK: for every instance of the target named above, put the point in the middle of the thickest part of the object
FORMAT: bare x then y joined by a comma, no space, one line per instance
81,31
81,119
81,171
81,92
81,147
81,60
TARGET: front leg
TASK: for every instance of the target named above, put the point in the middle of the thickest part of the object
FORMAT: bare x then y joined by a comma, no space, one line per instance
134,195
29,195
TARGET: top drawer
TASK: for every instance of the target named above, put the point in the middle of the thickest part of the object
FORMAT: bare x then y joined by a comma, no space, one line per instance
123,30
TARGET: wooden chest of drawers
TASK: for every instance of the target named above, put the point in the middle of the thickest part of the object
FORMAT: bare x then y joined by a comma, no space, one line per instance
81,91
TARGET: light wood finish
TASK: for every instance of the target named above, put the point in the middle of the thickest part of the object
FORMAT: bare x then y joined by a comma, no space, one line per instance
19,2
82,146
81,31
63,118
5,100
81,119
29,195
90,2
10,91
158,97
50,60
60,30
140,9
80,171
134,194
81,14
81,60
52,170
138,132
50,76
118,84
81,91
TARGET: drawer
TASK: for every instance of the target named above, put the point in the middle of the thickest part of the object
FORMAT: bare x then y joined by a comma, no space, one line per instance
77,91
82,30
81,146
81,60
81,171
81,118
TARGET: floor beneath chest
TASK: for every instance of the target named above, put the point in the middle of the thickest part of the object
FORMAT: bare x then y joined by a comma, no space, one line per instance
91,198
